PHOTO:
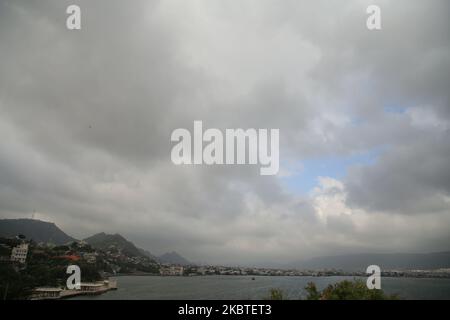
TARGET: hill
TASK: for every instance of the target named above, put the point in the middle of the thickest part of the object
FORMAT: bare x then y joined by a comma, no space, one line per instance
105,242
173,258
147,254
36,230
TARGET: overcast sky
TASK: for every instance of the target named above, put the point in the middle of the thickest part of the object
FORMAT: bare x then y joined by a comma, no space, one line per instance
364,118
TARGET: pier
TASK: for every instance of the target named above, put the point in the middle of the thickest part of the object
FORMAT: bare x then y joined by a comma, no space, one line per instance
88,288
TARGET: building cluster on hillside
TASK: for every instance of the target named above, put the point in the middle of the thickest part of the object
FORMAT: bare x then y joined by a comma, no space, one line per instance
19,251
14,251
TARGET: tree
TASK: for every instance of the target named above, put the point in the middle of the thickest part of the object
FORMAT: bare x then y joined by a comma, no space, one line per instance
313,293
346,290
276,294
13,284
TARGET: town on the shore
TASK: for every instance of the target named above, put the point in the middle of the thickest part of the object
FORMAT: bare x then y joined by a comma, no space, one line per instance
31,270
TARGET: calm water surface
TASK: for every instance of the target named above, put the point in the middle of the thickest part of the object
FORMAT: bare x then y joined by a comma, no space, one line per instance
243,287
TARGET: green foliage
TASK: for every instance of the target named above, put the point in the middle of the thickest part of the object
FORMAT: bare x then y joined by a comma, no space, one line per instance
313,293
89,272
46,267
347,290
13,284
43,269
61,249
5,251
275,294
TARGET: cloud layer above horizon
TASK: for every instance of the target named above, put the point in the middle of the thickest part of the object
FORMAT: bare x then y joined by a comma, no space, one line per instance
364,118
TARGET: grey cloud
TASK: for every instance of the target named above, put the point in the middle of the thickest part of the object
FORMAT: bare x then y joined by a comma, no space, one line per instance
87,117
409,179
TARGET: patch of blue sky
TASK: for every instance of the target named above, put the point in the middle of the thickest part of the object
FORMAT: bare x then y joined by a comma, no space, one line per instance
395,109
304,180
356,121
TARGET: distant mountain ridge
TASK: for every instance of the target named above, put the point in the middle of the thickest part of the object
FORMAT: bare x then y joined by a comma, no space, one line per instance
147,254
400,261
36,230
173,258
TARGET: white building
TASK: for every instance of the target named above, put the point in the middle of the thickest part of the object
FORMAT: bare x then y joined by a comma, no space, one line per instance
19,253
171,270
46,293
90,257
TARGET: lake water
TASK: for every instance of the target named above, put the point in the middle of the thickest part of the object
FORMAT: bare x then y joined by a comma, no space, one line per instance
243,287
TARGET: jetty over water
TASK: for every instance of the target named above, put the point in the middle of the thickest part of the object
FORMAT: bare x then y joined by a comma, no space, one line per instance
87,288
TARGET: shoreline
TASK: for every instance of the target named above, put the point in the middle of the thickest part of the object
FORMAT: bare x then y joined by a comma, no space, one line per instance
287,276
87,289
